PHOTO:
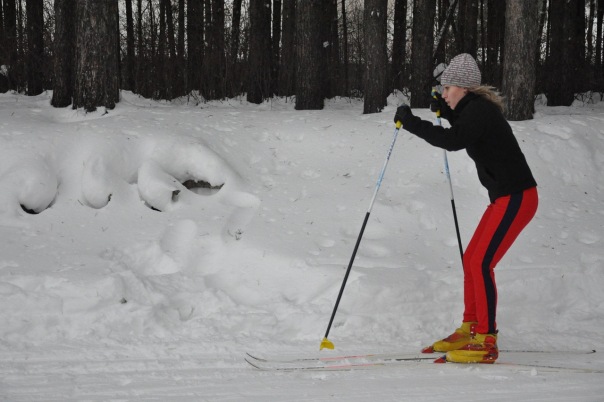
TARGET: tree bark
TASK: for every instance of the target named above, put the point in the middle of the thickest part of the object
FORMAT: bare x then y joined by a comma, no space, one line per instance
233,70
309,91
64,53
287,69
35,47
421,57
195,30
10,44
128,83
399,44
97,78
259,71
376,65
562,63
519,68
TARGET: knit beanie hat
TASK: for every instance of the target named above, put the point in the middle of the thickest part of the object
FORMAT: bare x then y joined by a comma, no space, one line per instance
462,72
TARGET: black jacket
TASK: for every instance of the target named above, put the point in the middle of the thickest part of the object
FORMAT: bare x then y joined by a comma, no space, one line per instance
478,125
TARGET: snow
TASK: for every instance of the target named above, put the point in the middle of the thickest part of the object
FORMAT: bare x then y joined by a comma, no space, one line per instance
124,284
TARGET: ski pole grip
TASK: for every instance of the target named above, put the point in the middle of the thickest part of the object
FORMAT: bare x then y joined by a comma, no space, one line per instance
399,124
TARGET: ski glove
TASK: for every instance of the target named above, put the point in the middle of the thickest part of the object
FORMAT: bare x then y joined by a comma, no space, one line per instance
436,102
401,112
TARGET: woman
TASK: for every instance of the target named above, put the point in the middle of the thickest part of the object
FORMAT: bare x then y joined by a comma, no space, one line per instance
477,124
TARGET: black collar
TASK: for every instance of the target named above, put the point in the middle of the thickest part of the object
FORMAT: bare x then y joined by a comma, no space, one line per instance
463,102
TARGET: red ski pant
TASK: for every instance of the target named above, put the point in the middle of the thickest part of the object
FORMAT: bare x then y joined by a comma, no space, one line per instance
499,226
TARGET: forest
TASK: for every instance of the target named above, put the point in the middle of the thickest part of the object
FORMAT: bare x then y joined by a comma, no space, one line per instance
86,51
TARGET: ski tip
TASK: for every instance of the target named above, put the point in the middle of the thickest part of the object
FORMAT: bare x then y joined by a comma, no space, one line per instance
442,359
428,349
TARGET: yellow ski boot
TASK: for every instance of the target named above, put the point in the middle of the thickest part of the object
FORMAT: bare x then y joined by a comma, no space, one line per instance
458,339
481,349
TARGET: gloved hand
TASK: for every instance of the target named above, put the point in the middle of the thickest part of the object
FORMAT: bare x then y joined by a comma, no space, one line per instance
402,111
436,101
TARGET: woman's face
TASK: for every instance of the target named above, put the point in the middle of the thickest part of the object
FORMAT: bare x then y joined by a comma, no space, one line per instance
452,95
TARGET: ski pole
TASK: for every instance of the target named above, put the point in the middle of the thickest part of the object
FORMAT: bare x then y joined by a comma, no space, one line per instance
326,343
438,121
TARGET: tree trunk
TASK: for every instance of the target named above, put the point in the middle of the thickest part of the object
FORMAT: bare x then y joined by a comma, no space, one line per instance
598,61
172,78
331,49
562,64
399,44
10,44
259,72
3,58
345,63
309,91
97,78
233,70
160,60
470,23
275,46
64,51
519,68
376,65
35,47
195,28
421,57
129,78
181,69
287,69
495,42
216,61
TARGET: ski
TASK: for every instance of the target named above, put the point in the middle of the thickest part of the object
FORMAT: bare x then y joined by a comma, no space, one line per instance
430,350
424,355
325,359
342,363
373,361
375,364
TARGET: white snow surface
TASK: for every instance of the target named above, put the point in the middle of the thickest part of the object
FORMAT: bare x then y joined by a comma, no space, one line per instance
123,284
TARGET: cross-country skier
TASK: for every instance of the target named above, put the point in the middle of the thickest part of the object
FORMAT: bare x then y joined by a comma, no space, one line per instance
475,113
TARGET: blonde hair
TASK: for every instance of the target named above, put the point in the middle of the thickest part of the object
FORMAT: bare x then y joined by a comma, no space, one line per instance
489,93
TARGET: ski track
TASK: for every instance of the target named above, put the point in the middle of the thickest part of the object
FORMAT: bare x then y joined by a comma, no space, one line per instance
117,375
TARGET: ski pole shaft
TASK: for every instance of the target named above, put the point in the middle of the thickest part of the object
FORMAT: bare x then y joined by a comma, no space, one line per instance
326,343
448,174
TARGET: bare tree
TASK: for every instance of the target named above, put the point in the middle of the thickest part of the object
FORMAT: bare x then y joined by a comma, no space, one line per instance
259,71
563,63
519,67
96,78
494,42
275,45
215,62
287,67
195,33
376,65
421,57
3,61
35,47
345,64
233,63
64,52
469,27
309,91
10,44
130,59
399,44
331,49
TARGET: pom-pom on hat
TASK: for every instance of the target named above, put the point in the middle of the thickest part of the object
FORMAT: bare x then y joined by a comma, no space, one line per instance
462,72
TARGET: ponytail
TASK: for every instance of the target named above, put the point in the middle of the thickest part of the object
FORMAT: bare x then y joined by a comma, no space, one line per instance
489,93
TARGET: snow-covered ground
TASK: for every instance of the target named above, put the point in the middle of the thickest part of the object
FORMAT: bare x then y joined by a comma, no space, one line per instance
128,285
